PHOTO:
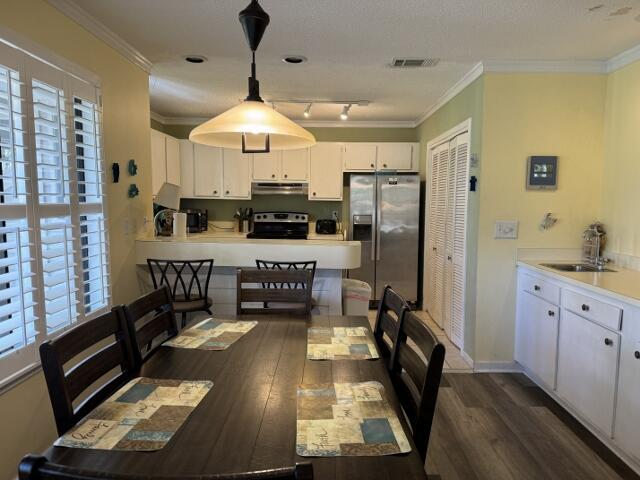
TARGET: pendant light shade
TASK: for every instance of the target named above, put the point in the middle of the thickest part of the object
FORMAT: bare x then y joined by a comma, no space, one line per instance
252,126
256,120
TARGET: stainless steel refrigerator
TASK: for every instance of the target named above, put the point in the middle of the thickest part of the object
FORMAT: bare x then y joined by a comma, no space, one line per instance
384,211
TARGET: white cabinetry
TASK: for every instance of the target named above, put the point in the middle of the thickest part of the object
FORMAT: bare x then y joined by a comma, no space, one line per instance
236,174
207,169
397,156
588,368
537,337
325,171
165,160
281,166
359,157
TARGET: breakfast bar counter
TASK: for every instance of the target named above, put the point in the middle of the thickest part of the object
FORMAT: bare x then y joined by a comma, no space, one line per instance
230,250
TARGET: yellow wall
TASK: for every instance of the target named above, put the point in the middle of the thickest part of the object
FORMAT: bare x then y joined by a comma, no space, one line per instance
621,195
532,114
25,412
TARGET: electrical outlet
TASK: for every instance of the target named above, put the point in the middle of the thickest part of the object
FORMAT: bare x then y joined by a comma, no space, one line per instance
506,229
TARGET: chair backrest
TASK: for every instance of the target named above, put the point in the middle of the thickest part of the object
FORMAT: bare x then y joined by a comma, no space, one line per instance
416,378
187,280
272,265
104,346
390,310
150,320
35,467
290,300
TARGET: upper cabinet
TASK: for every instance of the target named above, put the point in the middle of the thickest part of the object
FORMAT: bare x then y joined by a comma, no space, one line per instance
295,165
370,157
325,171
207,168
236,174
281,166
165,160
211,172
267,166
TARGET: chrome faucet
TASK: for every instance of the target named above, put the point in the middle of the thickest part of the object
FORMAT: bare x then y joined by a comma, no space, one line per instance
593,246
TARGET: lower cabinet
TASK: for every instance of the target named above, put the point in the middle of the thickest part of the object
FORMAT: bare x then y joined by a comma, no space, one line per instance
537,337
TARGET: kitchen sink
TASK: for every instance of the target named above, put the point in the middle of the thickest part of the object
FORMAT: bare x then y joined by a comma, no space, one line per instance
576,267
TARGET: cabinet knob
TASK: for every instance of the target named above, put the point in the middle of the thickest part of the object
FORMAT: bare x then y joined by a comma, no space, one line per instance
384,165
227,192
314,194
608,342
286,176
551,313
433,248
273,175
636,354
372,165
585,307
536,288
449,257
215,192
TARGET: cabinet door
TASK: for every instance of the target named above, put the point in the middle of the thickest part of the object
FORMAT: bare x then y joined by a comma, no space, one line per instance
395,156
186,169
266,166
158,161
359,157
537,337
588,368
207,171
173,160
236,168
325,171
627,412
295,164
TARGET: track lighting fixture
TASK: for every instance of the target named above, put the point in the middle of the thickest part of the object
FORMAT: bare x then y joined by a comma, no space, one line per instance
307,111
345,112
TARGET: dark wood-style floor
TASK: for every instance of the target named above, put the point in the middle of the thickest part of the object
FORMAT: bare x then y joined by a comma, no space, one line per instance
502,426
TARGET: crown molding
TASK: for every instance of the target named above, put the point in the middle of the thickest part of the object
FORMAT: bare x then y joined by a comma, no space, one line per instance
464,82
101,31
623,59
544,66
178,120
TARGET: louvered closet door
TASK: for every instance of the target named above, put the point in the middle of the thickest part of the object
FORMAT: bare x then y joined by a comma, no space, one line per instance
439,234
430,255
458,229
448,236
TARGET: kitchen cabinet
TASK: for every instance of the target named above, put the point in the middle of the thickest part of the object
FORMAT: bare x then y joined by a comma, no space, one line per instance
397,156
295,165
267,166
627,423
236,174
359,157
186,169
207,171
325,171
165,160
537,337
588,368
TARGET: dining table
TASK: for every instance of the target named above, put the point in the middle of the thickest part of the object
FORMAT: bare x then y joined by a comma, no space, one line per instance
248,419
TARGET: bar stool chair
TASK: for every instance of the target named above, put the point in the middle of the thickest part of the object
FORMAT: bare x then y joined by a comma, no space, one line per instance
188,282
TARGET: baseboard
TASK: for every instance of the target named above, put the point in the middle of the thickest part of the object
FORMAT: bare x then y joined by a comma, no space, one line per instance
466,358
496,367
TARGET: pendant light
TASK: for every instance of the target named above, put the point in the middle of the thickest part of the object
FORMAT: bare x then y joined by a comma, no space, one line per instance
252,125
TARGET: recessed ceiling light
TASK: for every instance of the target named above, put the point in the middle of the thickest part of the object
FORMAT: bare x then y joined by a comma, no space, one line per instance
195,58
294,59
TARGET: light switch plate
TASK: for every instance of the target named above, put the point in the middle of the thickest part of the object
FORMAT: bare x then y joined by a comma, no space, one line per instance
507,229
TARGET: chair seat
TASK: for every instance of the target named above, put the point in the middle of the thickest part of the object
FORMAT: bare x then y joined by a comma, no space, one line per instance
181,306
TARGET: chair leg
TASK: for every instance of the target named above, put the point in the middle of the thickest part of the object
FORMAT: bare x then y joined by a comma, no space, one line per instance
208,310
184,319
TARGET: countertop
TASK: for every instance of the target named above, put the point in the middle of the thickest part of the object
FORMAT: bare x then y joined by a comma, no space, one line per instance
623,284
214,236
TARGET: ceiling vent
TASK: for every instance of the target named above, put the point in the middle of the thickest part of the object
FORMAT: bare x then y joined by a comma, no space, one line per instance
414,62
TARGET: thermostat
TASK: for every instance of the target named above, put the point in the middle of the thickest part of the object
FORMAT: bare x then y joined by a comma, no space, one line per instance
542,173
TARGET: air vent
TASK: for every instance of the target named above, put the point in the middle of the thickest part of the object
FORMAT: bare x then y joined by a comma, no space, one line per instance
414,62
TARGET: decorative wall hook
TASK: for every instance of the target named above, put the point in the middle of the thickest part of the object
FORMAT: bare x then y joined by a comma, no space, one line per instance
548,221
133,191
115,171
132,167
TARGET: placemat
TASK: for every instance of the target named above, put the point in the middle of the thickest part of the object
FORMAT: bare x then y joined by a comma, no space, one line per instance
211,334
143,416
347,419
340,343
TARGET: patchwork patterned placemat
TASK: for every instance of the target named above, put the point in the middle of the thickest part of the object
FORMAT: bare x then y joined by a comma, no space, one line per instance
143,416
347,419
211,334
340,343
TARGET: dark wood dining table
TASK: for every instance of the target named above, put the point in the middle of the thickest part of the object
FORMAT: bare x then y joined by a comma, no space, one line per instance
248,420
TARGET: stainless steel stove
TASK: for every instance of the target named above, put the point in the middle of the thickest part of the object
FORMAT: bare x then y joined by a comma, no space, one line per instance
284,225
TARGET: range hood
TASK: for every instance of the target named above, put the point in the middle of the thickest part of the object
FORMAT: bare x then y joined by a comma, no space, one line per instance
258,188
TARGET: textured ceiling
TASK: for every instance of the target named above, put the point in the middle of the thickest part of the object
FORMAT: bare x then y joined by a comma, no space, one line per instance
349,44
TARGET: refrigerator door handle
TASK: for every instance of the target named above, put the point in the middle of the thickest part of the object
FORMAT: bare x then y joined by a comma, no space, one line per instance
378,216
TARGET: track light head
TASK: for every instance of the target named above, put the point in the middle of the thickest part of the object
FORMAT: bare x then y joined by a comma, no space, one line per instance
307,111
345,112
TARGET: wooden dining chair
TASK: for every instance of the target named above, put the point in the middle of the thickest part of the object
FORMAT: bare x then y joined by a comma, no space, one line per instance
150,320
416,378
390,310
273,265
188,282
106,363
250,289
37,467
